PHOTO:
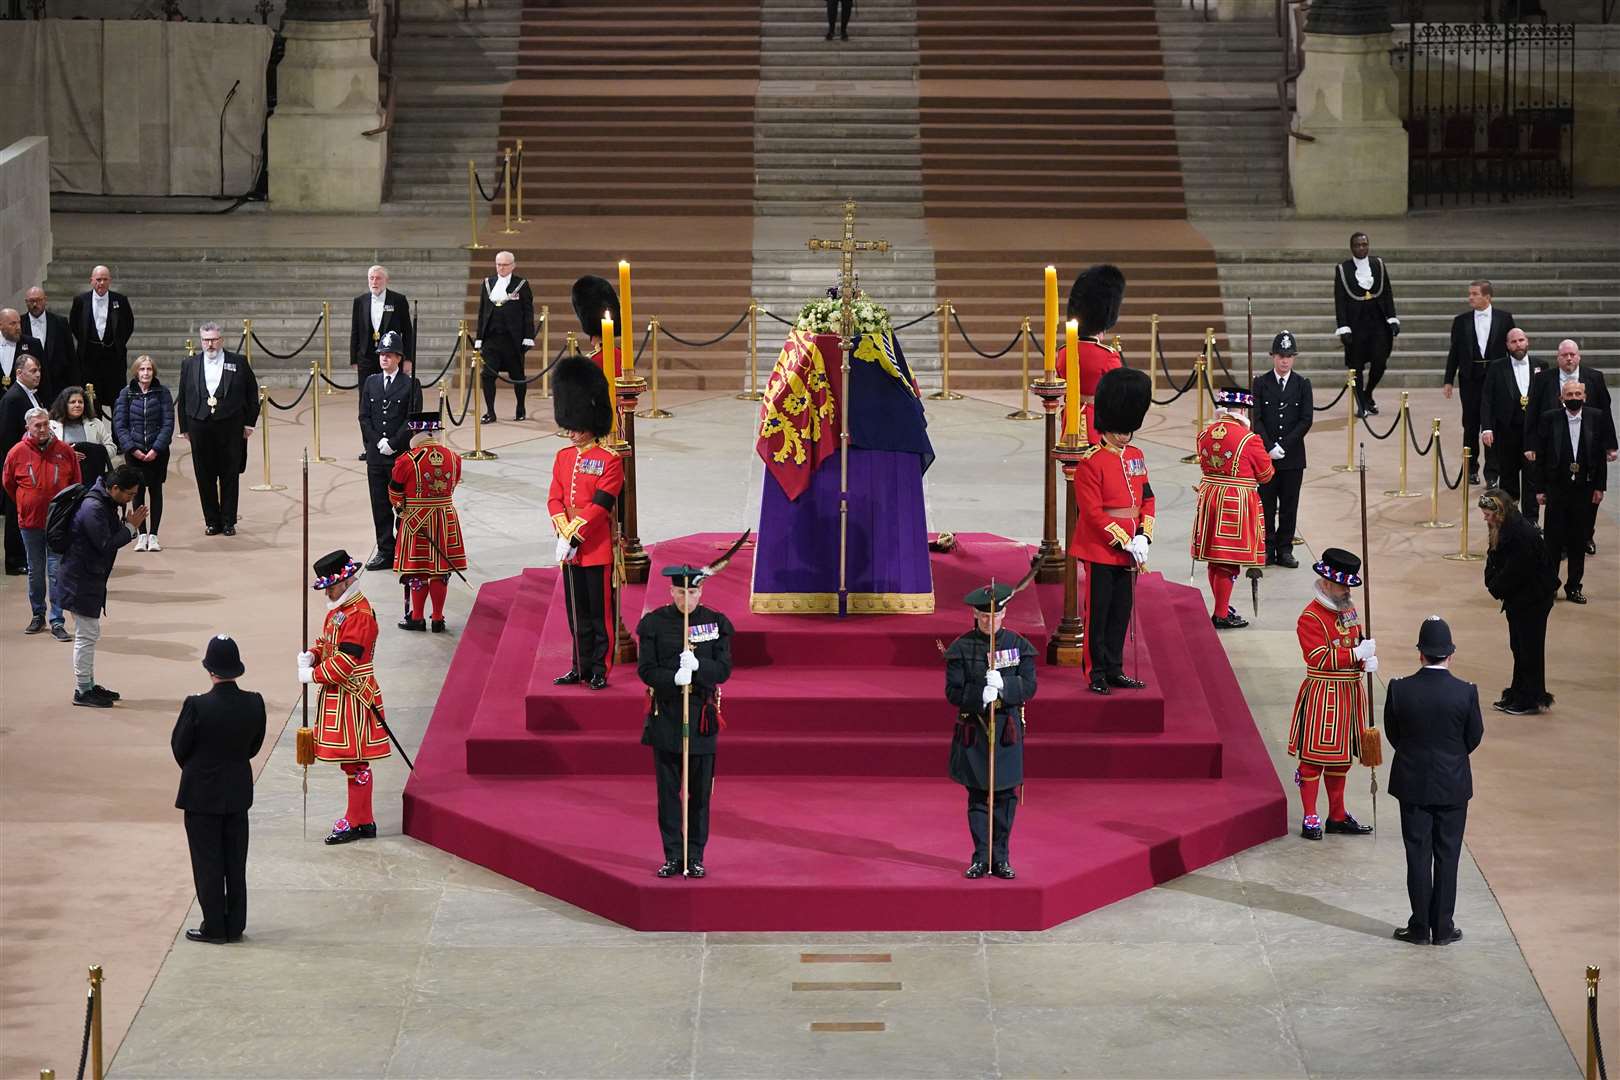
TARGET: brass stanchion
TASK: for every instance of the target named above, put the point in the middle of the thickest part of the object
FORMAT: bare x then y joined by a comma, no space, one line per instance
1406,441
326,330
264,443
944,392
521,220
315,422
89,399
1462,554
1153,356
545,323
654,413
1200,388
1023,412
1066,647
1593,974
1350,426
97,1067
1051,555
478,453
752,393
506,182
47,1074
571,344
472,204
247,341
461,362
1434,521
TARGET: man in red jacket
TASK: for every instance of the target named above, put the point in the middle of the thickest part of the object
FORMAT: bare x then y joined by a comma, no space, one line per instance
38,467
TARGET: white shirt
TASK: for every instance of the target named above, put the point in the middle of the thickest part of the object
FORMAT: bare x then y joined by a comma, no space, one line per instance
98,307
1521,373
213,371
8,356
387,381
1364,274
1282,382
377,309
39,326
1436,667
1574,435
497,291
1569,376
1482,329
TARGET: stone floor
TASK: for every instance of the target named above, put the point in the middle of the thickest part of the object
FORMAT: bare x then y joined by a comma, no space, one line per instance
392,959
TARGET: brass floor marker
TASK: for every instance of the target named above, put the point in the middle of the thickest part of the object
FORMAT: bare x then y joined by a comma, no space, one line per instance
844,958
861,1025
846,986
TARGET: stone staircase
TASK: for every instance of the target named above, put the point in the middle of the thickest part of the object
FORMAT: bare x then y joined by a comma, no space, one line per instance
438,44
1039,40
639,39
1553,295
882,44
1247,51
174,290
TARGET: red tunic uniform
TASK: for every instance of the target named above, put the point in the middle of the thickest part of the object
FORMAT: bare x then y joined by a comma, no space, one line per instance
585,486
346,729
1095,359
1331,704
618,360
1115,502
1227,526
422,489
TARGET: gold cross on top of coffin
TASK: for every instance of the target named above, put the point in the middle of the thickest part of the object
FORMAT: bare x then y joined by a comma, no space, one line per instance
847,247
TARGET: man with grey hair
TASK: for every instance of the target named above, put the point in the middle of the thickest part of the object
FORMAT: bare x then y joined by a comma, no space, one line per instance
216,409
20,397
505,331
377,311
102,321
37,468
51,331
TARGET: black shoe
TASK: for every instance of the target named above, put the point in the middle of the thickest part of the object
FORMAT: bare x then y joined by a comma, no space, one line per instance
229,530
1311,829
196,934
210,530
1575,595
1412,937
379,561
1372,406
1513,708
520,415
567,678
35,625
59,632
1004,871
597,682
1547,701
1286,560
696,871
671,868
1591,547
1230,621
418,625
487,418
16,571
1122,681
844,35
1451,938
1349,826
106,693
353,833
1473,479
829,35
361,456
1361,411
975,871
438,626
1099,683
92,700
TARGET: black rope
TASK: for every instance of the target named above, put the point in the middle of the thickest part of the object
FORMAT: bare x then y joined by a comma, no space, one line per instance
288,356
1221,360
704,344
84,1046
1192,377
466,403
447,362
1366,425
274,404
929,314
1440,449
1412,434
646,336
1336,398
988,356
1597,1036
500,182
340,386
778,318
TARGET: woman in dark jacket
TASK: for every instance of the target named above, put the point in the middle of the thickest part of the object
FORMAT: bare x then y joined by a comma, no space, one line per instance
143,425
1517,573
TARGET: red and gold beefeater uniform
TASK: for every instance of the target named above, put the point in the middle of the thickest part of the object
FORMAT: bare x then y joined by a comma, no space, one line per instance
422,489
1227,525
1331,705
1096,359
346,730
585,486
1114,503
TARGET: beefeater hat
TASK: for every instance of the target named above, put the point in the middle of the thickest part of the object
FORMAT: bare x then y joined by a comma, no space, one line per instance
592,296
580,397
1123,396
1095,298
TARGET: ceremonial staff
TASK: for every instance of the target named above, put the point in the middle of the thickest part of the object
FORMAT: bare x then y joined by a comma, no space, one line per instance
1372,742
304,741
990,793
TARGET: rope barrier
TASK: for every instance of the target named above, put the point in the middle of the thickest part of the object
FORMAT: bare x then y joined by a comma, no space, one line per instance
1451,485
274,404
1221,360
712,341
500,185
646,336
429,384
288,356
1592,1026
957,319
337,385
84,1046
1336,399
1366,425
778,318
1192,378
924,317
1424,450
466,403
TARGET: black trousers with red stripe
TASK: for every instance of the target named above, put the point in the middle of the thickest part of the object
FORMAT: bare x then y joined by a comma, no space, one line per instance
590,617
1109,597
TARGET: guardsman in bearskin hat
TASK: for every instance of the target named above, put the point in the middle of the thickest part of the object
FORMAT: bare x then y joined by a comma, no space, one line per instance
592,297
586,478
1228,529
1331,707
1115,524
430,544
668,666
981,678
349,730
1094,301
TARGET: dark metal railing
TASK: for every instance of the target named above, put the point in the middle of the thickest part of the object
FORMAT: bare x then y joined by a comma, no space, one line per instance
384,29
1290,26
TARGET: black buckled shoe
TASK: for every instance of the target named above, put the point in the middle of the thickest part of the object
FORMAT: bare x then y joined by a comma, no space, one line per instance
671,868
379,561
1099,683
417,625
1348,826
350,833
487,418
1575,595
1230,621
696,871
1121,681
196,934
210,530
521,414
567,678
597,682
1311,828
1451,938
1411,936
975,871
1286,560
229,530
1004,871
438,626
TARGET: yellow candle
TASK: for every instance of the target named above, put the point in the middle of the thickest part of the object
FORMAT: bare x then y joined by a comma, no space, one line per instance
607,363
629,320
1049,343
1071,414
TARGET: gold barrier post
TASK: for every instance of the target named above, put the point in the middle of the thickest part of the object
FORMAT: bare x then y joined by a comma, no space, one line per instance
1462,554
944,393
521,220
545,326
472,204
315,421
1434,521
1023,412
1406,441
1153,356
1593,974
654,413
478,453
1350,425
506,183
47,1074
89,399
461,363
326,330
264,443
247,341
1200,387
97,1067
752,393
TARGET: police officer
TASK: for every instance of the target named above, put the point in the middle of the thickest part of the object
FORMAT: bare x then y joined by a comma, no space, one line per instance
387,401
678,671
1282,415
979,677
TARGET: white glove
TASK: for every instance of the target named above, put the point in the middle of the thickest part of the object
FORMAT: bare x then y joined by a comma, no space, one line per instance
1138,548
528,343
683,677
479,344
1365,649
565,550
689,661
306,659
990,694
1370,664
993,678
383,447
306,675
1277,452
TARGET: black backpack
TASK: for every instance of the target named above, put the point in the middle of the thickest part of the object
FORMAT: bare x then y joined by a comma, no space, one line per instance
59,517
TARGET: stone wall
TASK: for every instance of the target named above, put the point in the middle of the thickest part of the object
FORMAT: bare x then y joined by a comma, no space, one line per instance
25,217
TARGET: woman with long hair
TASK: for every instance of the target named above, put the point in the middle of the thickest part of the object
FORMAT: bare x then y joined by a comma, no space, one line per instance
1517,572
143,422
90,437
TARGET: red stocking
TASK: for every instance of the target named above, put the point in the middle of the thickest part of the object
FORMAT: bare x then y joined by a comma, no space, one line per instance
418,598
1309,777
1221,578
1335,792
359,793
437,589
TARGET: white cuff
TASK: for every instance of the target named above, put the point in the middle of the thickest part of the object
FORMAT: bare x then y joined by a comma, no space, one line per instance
1341,331
1484,433
1393,321
528,343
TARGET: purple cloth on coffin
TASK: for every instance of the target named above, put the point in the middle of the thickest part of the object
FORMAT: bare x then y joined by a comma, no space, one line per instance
797,550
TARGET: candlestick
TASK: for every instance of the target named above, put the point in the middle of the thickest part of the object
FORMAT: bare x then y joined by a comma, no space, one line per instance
1071,404
607,364
629,320
1049,341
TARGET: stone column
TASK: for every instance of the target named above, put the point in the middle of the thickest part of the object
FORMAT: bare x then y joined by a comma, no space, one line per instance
1348,102
327,95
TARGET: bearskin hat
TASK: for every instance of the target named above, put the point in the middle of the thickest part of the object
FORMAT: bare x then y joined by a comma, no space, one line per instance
581,399
1123,396
1096,297
592,296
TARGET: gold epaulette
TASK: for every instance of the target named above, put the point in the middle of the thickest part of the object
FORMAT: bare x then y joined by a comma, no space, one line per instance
1086,454
603,444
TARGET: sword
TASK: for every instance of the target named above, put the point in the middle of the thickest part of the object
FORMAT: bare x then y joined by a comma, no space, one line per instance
391,737
1254,575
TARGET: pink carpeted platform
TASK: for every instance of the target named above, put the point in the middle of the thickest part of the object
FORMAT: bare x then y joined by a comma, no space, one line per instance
832,806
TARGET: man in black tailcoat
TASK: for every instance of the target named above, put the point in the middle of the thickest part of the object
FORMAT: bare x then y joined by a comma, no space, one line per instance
375,312
1571,476
1502,410
216,409
1478,336
505,331
1364,307
102,321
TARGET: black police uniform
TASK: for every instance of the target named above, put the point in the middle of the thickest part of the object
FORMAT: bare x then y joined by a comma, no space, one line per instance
659,634
386,405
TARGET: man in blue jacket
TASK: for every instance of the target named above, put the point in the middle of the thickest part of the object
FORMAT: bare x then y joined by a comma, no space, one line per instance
99,530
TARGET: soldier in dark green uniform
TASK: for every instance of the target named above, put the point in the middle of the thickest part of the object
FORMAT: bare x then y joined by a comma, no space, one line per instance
666,664
971,684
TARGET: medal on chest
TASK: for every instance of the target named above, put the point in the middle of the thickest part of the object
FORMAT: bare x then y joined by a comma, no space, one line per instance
1005,658
590,466
701,632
